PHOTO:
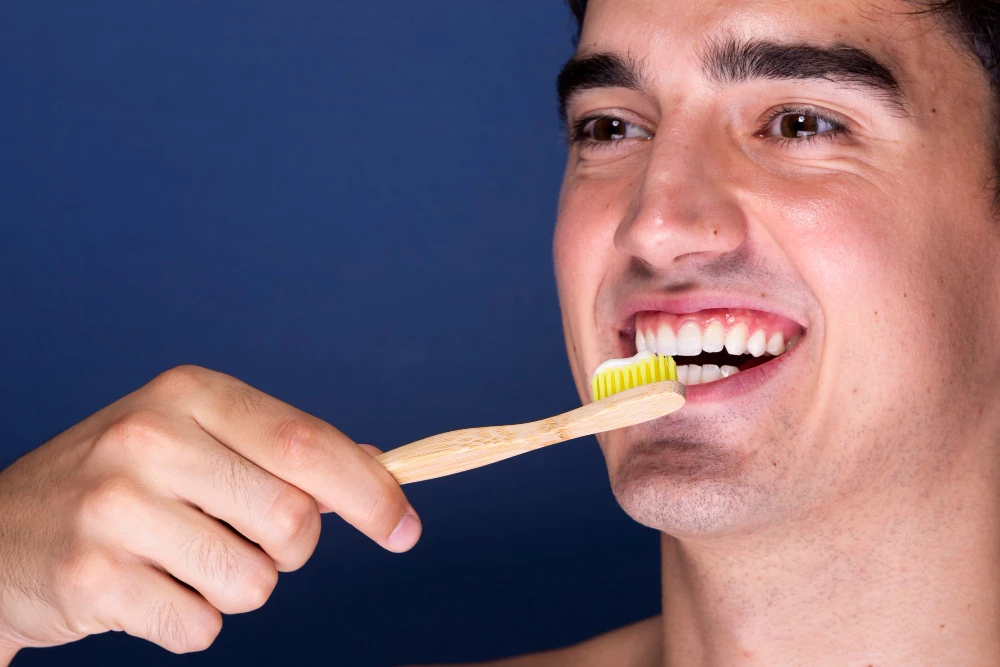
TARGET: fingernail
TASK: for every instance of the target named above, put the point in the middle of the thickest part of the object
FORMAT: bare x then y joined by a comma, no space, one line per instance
405,535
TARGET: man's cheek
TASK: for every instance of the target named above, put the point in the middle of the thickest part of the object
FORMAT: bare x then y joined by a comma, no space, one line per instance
583,245
589,213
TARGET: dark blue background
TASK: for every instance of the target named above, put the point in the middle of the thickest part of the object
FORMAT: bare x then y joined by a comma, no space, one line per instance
350,206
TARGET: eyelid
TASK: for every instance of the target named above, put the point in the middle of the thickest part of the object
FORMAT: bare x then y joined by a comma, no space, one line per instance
576,126
840,124
583,127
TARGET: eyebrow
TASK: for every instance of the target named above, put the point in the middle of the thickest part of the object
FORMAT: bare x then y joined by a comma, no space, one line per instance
597,70
732,62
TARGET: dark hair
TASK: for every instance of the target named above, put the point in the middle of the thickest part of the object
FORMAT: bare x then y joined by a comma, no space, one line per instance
975,22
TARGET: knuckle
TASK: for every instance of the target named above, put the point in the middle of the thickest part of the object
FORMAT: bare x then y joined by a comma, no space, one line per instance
82,577
107,502
194,631
180,380
299,443
257,586
203,632
133,432
292,517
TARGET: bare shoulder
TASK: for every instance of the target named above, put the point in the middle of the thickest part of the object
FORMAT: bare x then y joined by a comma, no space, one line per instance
635,645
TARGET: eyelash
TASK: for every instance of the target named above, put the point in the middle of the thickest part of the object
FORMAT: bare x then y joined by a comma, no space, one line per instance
578,129
839,128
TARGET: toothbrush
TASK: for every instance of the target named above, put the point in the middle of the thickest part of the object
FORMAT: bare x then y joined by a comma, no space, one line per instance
625,392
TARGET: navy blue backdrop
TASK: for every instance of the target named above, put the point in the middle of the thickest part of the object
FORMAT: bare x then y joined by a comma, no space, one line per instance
350,206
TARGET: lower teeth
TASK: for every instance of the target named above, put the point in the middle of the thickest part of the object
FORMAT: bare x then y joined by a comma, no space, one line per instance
693,374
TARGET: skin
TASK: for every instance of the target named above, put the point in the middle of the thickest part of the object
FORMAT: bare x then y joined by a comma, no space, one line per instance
97,526
845,510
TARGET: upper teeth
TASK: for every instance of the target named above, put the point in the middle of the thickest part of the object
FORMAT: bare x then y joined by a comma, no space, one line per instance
691,339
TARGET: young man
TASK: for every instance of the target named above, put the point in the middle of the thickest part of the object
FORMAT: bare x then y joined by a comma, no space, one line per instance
806,187
821,173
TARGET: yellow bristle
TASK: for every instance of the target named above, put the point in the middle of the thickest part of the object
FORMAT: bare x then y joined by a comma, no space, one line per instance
654,368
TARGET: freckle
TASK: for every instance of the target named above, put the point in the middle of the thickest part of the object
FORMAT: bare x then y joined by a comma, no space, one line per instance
762,295
715,232
904,295
854,391
933,110
774,463
876,312
942,625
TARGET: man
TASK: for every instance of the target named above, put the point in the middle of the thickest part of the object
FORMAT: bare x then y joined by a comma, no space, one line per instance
801,192
820,171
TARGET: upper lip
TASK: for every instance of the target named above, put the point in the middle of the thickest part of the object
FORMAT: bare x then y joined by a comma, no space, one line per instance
692,302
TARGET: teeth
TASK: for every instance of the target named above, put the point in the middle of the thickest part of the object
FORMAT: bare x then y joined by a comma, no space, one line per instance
714,338
690,374
691,340
688,340
736,341
710,373
666,342
755,345
776,345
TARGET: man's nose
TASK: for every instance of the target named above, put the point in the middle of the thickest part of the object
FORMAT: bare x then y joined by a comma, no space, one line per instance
683,210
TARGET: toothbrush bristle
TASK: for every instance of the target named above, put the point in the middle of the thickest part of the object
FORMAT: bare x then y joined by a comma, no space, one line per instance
652,368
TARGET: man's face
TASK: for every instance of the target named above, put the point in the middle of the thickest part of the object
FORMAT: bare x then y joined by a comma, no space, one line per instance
745,174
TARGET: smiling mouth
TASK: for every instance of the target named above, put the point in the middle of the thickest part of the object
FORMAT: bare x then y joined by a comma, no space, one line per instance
711,345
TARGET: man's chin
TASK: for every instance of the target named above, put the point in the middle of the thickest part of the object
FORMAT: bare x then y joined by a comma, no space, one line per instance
686,489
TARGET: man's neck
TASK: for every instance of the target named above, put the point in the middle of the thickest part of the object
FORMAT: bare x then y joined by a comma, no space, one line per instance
908,580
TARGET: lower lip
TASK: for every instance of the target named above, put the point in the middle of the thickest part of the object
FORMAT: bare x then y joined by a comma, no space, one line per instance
740,384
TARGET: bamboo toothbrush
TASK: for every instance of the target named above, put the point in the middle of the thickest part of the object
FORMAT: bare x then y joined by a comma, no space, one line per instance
625,391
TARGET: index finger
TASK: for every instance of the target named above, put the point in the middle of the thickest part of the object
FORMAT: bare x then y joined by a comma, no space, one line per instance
301,449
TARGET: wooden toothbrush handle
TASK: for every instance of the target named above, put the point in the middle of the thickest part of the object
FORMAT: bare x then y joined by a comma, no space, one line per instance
458,451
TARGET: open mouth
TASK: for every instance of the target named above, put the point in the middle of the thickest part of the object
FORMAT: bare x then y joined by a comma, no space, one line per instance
711,345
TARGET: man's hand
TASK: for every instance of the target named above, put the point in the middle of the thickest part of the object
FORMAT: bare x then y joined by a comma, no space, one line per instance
196,479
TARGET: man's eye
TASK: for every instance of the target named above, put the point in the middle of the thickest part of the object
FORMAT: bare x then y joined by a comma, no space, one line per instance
799,125
607,129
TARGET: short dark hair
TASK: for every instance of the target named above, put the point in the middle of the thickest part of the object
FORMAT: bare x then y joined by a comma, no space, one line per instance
976,23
